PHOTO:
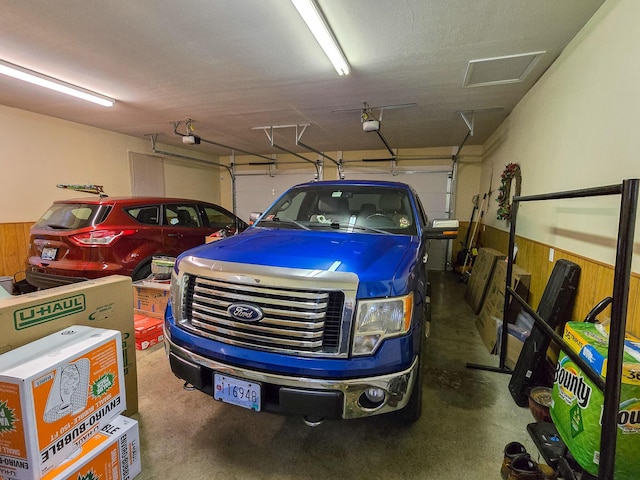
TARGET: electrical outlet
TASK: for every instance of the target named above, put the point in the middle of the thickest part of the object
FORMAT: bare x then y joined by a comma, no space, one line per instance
551,254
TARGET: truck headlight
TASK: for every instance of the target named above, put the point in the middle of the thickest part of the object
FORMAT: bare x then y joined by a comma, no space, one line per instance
380,319
176,293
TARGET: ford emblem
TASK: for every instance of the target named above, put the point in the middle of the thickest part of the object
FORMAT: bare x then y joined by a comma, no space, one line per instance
245,312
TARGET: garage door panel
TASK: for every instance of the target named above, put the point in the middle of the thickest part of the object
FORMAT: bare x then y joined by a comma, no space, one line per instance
254,193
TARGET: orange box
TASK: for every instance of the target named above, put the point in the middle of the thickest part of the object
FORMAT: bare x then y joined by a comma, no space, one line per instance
148,331
55,392
111,454
147,342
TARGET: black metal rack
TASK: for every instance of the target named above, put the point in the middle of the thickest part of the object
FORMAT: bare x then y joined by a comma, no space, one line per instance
628,190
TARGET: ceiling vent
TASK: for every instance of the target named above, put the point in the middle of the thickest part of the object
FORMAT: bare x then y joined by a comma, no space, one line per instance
500,70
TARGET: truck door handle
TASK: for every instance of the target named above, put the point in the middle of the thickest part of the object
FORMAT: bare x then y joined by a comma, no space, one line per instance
174,235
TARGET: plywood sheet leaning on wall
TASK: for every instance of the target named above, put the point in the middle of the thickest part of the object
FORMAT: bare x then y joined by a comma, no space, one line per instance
492,312
481,277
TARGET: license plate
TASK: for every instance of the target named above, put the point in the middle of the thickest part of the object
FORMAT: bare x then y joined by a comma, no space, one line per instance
49,253
237,392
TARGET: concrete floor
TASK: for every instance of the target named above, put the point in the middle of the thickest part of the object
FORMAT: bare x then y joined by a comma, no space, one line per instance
468,417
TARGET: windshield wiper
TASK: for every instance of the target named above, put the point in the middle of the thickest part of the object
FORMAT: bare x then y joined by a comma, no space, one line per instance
352,226
286,221
369,229
58,227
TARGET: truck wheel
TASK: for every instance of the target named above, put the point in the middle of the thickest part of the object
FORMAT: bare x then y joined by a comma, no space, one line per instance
413,410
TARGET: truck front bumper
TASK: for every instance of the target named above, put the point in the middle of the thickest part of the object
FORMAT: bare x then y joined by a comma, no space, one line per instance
311,397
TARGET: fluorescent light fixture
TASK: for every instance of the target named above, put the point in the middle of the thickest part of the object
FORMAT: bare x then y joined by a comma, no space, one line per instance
45,81
311,14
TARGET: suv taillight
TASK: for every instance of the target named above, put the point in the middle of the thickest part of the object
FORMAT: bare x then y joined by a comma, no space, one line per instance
99,237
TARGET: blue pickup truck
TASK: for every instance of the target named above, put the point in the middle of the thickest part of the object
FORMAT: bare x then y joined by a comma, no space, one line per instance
320,309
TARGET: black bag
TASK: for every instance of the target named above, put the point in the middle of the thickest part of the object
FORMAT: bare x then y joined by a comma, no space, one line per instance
555,307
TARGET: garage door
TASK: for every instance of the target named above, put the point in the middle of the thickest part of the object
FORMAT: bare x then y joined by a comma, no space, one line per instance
254,193
433,188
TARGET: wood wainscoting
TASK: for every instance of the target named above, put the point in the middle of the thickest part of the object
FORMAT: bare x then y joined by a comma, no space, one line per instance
14,247
596,279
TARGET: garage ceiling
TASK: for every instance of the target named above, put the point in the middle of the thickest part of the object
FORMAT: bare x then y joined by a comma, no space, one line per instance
233,65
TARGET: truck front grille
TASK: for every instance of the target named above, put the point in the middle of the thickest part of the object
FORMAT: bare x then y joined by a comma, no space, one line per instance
296,321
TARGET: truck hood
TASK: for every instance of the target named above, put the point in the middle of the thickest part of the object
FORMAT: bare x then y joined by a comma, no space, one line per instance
377,259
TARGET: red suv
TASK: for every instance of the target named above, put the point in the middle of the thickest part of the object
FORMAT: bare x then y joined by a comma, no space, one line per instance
88,238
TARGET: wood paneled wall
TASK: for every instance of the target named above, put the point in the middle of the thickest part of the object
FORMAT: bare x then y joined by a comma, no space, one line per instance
596,279
14,247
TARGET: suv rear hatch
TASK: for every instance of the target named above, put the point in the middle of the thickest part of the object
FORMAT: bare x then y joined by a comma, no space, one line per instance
57,237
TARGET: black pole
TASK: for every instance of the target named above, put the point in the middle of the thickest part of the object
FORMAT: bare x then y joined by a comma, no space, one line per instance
621,281
507,290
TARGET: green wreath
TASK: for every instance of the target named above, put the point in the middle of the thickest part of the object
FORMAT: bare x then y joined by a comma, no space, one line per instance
510,172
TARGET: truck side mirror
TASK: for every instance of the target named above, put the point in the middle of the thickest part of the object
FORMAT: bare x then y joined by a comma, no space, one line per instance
442,229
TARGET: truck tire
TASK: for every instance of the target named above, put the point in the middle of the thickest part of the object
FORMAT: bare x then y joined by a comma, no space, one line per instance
413,410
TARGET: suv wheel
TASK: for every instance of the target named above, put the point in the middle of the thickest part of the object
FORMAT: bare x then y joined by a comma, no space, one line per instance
142,271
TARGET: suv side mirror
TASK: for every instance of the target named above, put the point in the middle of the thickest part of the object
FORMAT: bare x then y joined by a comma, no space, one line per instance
442,229
253,216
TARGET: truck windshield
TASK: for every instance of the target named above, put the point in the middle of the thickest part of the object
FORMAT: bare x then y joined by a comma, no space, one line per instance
353,208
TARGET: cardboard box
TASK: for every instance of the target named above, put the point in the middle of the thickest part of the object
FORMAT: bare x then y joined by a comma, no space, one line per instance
101,303
481,276
515,341
577,403
148,331
54,393
111,454
493,307
150,296
514,348
159,315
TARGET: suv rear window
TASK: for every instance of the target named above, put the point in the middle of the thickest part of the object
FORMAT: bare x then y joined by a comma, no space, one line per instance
71,216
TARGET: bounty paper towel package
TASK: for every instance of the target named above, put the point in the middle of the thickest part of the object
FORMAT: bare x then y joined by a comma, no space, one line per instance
54,393
577,403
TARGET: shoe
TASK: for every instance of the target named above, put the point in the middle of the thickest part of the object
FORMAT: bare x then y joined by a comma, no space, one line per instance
524,468
511,450
548,472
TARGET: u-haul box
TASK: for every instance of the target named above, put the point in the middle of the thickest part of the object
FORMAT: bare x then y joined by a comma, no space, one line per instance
111,454
54,393
101,303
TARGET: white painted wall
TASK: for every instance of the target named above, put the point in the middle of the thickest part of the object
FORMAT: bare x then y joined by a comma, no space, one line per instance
577,128
39,152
